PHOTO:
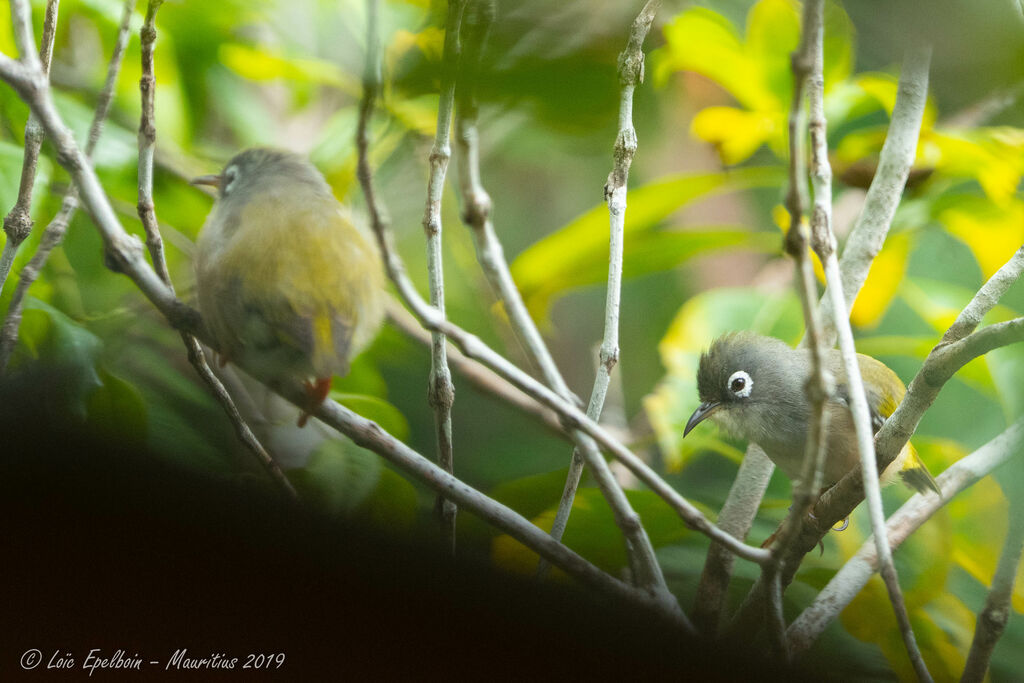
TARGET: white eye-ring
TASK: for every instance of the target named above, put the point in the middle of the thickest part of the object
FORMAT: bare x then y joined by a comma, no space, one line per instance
228,181
740,384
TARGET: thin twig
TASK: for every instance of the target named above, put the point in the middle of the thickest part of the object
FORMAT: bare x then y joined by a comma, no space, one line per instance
155,245
18,223
475,349
54,232
852,577
807,64
147,143
440,390
631,73
996,613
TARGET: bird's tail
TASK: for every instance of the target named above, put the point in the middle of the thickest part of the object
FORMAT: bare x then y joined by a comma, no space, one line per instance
915,473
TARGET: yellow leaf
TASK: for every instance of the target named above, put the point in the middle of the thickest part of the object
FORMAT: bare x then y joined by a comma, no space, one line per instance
704,42
510,554
1018,590
992,233
258,63
883,281
883,88
7,45
735,133
429,41
773,32
993,156
979,518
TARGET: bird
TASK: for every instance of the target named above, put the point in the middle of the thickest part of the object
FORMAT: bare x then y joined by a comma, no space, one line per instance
753,386
286,284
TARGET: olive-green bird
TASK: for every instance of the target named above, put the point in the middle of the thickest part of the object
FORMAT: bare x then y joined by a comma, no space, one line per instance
286,283
753,387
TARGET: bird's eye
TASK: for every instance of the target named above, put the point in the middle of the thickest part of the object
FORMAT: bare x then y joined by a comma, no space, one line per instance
740,384
228,180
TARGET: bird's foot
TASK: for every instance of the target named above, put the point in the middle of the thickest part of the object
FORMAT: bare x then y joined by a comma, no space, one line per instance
317,392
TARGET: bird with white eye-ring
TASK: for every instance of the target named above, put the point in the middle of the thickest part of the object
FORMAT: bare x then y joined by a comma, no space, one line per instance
754,387
287,285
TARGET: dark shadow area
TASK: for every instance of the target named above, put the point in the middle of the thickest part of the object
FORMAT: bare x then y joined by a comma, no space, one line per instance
107,547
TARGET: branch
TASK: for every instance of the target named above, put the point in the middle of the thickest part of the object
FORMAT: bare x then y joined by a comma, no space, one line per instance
986,298
825,241
868,233
155,244
441,392
853,576
631,72
735,518
53,235
18,223
369,435
994,617
490,254
959,345
147,143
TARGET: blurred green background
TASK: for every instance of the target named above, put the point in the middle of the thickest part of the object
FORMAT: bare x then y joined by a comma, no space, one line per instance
702,255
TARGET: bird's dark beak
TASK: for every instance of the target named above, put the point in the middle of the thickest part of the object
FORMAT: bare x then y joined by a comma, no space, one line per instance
704,411
211,180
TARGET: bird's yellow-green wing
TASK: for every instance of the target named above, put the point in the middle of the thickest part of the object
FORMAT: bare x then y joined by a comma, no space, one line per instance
885,391
314,274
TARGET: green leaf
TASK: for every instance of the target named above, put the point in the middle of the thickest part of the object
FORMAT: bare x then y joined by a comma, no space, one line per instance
339,476
553,264
377,409
351,481
531,495
838,45
61,341
592,531
118,410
